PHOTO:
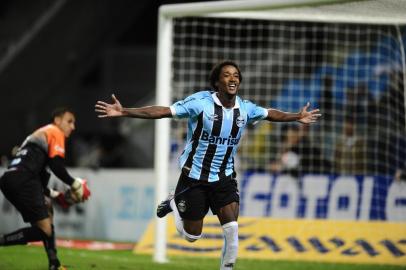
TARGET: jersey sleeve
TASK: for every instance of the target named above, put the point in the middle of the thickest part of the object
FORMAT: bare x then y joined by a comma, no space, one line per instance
56,142
255,112
191,106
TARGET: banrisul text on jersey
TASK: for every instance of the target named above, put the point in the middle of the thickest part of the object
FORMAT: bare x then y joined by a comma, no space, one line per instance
219,140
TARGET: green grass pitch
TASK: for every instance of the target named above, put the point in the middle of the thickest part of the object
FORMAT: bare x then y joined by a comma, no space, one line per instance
34,258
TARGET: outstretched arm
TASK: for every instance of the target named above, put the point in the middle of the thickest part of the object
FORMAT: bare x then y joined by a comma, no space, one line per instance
303,116
117,110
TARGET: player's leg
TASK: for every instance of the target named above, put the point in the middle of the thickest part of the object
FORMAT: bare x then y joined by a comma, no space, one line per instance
50,241
190,230
228,219
169,205
22,236
21,191
26,194
189,206
225,204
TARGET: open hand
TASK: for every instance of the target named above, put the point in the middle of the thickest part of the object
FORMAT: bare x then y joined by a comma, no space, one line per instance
109,110
307,117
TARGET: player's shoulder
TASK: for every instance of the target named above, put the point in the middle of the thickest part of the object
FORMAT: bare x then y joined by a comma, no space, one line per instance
51,129
244,102
204,94
199,97
249,106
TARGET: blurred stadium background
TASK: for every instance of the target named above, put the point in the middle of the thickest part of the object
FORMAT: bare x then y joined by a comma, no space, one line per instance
332,192
73,53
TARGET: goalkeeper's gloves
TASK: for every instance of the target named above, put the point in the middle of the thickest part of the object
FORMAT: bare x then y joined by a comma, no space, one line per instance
80,189
63,199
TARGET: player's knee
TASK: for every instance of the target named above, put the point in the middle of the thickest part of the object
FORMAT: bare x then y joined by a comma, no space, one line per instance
192,229
47,231
45,228
191,237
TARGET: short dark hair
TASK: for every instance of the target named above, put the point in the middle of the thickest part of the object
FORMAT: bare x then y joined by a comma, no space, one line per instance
60,111
216,70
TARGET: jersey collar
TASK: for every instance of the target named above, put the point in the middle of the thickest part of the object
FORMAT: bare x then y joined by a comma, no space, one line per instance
218,102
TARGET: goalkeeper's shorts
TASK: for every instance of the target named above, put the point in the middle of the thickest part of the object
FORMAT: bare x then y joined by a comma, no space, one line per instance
24,190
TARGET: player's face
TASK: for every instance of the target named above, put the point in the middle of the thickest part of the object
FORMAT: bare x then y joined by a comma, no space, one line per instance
229,80
66,123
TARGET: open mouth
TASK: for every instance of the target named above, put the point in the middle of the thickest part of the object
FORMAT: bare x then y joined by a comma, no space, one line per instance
232,86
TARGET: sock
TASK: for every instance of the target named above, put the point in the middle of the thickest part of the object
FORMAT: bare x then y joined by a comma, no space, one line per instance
190,237
50,249
230,246
22,236
178,219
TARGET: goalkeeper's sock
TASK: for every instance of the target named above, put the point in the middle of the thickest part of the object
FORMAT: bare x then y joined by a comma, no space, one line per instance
178,219
22,236
50,248
230,246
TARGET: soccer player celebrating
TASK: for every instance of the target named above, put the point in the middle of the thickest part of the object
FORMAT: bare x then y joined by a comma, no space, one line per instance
216,121
24,183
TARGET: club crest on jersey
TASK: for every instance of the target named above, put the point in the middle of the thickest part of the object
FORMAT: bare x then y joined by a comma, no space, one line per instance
59,149
182,206
240,121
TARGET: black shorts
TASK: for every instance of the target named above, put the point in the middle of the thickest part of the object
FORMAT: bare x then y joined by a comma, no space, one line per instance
196,197
24,190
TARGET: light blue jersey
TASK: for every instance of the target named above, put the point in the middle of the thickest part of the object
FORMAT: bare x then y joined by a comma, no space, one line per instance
214,133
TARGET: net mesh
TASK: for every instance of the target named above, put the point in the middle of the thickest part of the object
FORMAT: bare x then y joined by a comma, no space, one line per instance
353,72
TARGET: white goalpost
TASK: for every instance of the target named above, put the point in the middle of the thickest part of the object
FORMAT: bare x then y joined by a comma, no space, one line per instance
346,57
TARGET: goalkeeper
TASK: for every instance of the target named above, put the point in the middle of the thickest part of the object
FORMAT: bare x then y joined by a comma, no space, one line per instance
217,118
24,180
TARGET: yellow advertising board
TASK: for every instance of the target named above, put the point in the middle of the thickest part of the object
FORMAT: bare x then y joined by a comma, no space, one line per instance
299,240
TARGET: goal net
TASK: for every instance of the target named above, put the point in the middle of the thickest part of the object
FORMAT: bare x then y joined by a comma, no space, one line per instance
352,72
345,61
